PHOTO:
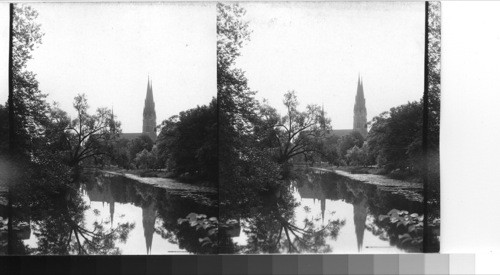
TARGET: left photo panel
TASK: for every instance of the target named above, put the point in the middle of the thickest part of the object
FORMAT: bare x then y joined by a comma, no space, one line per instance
108,117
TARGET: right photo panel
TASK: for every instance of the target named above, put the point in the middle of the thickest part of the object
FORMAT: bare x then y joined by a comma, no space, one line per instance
328,117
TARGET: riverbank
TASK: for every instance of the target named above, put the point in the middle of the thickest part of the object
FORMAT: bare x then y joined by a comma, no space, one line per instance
373,179
166,183
411,190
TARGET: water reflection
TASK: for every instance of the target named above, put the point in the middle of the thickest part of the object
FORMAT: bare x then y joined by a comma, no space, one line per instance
148,223
360,213
368,203
330,213
105,214
159,213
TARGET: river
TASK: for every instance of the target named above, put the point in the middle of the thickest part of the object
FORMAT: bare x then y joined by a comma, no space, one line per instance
113,214
332,213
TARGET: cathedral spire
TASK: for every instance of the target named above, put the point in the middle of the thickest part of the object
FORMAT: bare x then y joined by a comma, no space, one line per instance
360,120
112,125
149,113
322,118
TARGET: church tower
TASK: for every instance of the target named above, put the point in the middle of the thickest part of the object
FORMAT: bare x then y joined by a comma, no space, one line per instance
360,111
149,114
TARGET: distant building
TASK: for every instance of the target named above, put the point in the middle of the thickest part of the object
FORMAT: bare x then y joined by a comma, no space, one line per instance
149,113
360,111
359,121
148,117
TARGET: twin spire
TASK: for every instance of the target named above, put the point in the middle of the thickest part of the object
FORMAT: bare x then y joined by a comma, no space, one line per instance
360,95
150,84
360,92
360,118
149,103
149,113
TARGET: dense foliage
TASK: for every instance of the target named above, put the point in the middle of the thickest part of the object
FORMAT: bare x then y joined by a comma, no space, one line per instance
29,108
187,143
245,169
395,138
299,133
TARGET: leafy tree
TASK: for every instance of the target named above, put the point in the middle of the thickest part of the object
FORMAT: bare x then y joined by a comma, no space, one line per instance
346,142
89,135
143,159
358,156
188,142
434,92
4,129
330,152
354,156
299,132
434,70
55,142
139,144
120,153
396,137
244,167
236,103
264,128
29,108
148,159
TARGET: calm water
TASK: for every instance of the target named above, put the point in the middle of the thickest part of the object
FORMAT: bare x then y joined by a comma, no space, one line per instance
333,214
318,212
110,214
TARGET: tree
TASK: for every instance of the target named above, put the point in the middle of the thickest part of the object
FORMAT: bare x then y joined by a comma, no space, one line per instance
330,152
89,136
346,142
264,128
144,159
4,129
139,144
396,137
354,156
27,103
434,70
188,142
121,154
299,132
236,103
434,92
247,169
358,156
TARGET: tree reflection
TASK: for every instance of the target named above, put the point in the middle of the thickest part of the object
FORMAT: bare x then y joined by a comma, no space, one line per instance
58,222
275,230
52,215
161,209
174,208
369,204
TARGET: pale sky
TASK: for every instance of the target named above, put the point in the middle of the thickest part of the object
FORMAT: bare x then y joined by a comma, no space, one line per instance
108,50
4,52
318,49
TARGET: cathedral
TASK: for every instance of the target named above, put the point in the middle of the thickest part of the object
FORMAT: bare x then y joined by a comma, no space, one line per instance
359,121
148,116
149,113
